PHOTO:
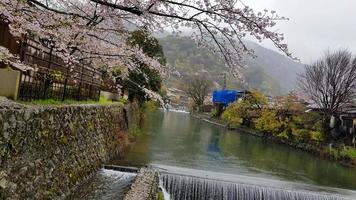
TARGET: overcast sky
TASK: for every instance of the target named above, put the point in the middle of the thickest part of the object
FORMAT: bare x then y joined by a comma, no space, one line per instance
314,26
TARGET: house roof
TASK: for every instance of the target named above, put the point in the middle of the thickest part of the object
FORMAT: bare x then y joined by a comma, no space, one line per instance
8,59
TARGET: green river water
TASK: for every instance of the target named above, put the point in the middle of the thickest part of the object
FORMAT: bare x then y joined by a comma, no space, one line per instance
177,139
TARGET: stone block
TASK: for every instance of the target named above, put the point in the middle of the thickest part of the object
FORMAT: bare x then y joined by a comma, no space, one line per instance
9,83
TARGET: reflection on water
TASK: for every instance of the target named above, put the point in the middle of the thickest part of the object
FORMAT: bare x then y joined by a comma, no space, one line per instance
176,139
105,185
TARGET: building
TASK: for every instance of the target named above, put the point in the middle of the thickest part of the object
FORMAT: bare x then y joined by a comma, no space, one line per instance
348,121
39,73
223,98
178,98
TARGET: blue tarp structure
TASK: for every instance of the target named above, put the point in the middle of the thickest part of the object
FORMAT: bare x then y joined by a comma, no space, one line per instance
224,96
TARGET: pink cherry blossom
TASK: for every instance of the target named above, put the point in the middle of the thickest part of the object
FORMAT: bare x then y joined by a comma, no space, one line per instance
96,31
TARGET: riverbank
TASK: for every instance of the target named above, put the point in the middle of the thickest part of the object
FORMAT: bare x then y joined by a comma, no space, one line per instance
329,152
206,118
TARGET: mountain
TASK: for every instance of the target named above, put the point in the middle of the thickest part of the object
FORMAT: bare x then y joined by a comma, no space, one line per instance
270,72
281,68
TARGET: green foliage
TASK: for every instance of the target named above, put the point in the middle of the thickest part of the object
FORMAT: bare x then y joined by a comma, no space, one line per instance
307,127
55,76
144,76
213,112
104,101
256,99
243,112
232,115
344,152
348,152
160,196
284,135
150,106
302,135
122,100
149,45
286,122
269,122
307,136
311,120
317,136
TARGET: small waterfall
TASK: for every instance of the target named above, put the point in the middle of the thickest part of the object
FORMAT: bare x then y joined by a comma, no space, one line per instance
104,185
182,187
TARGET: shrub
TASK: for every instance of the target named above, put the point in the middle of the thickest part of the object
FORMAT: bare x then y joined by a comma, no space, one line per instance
243,112
213,112
348,152
150,106
268,122
311,121
317,136
307,127
231,117
302,135
284,135
318,126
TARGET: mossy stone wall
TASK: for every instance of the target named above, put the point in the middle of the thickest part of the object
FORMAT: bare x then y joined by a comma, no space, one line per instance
46,151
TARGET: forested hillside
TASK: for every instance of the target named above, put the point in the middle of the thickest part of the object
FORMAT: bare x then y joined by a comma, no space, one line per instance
270,72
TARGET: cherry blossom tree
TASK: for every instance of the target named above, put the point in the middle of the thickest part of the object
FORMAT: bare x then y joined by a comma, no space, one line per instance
96,30
9,59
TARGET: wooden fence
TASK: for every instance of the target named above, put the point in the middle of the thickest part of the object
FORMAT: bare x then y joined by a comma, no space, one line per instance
51,77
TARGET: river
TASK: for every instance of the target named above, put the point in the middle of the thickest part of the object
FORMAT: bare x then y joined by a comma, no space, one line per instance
177,141
198,160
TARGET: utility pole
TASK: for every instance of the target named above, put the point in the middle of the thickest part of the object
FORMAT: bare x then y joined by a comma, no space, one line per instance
224,87
224,81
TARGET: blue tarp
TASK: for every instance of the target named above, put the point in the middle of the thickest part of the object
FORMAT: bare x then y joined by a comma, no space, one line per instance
224,96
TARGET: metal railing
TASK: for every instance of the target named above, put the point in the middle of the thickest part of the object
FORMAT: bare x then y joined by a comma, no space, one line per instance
51,77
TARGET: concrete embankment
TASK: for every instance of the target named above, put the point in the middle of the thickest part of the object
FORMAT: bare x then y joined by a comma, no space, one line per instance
209,120
145,186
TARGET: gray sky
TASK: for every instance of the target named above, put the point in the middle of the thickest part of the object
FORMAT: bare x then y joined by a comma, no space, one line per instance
314,26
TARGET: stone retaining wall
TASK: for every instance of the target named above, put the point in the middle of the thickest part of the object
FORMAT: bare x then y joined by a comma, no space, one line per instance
46,151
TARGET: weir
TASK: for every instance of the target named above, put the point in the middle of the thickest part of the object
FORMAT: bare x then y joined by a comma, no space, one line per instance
181,187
